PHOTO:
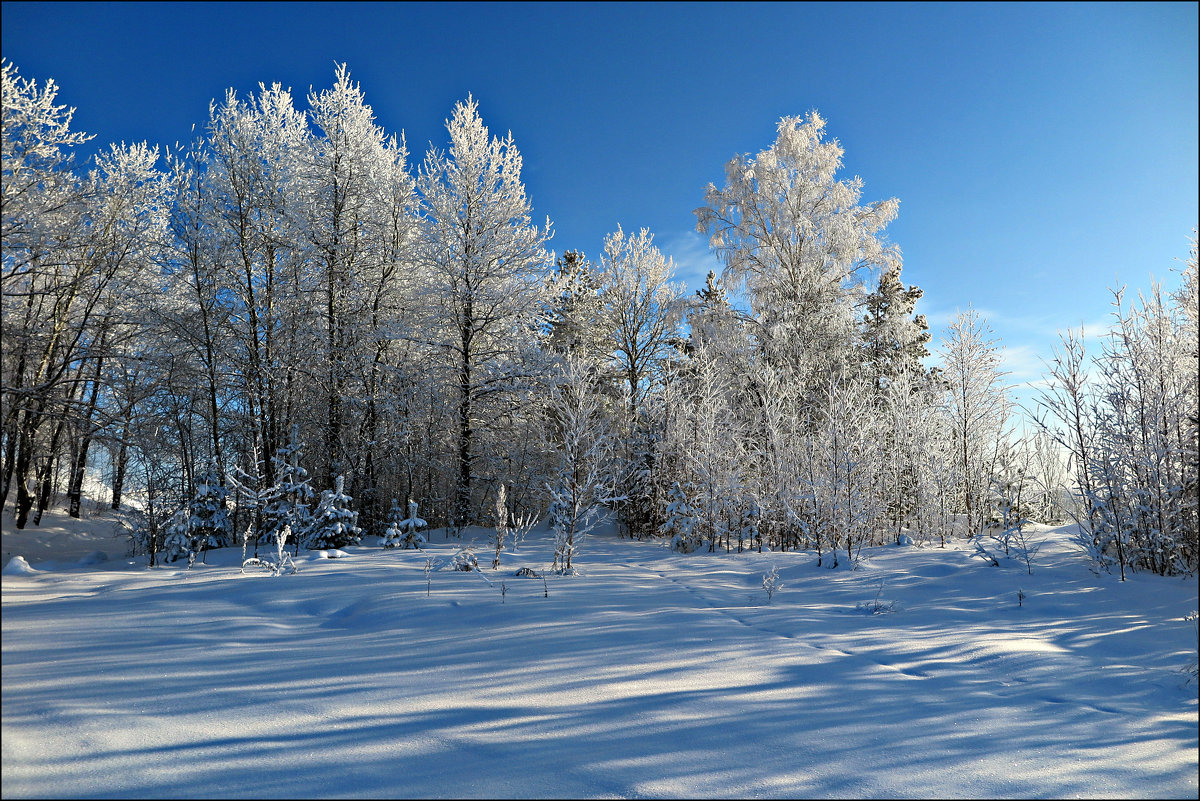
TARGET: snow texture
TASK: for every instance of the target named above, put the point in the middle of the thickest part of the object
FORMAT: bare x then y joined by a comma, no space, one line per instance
650,673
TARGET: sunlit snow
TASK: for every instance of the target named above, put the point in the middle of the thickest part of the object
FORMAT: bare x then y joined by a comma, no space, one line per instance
651,673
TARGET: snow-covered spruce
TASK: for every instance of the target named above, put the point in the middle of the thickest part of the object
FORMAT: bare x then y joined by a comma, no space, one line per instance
404,533
333,524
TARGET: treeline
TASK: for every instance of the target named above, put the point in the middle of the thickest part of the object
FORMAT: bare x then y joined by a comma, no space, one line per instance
286,324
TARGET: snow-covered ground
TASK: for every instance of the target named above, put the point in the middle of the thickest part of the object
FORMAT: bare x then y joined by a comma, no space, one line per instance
649,674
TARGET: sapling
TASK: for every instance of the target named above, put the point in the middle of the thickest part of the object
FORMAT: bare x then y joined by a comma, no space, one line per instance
876,607
403,533
771,582
1024,549
283,559
465,560
501,525
521,526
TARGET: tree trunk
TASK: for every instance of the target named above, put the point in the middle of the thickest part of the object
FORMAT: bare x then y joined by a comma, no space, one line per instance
119,465
79,452
46,479
462,505
10,453
23,462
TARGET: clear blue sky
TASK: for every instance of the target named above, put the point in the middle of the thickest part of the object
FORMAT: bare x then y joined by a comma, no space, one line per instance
1040,152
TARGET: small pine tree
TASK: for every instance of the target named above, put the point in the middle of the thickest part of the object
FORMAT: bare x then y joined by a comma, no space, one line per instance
177,542
894,338
748,531
681,523
334,525
287,502
575,311
402,533
250,496
210,524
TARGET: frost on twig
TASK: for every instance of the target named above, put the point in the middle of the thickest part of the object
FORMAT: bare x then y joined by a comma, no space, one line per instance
771,582
283,559
877,606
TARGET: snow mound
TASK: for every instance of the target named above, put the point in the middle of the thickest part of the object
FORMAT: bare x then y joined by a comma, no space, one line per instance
93,558
329,553
17,566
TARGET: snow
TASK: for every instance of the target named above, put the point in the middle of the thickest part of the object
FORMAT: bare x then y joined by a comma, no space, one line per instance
650,673
17,566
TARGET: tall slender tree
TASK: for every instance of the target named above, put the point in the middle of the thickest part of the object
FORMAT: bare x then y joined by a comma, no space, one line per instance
487,269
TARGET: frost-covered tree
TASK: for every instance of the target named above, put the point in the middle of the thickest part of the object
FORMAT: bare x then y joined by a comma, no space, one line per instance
801,243
348,176
979,410
849,460
179,541
713,324
404,532
73,247
912,431
210,524
894,338
501,528
287,502
1148,434
249,495
1065,415
240,251
1132,432
681,523
575,318
642,309
581,480
334,524
486,266
710,437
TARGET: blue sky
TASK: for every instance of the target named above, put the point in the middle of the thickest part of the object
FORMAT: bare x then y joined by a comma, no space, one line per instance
1040,152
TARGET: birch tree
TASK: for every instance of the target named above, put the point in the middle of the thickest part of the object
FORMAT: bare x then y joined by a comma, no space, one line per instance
801,243
581,480
487,267
979,409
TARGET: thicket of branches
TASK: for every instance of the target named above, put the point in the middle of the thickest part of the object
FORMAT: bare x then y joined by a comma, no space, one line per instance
286,325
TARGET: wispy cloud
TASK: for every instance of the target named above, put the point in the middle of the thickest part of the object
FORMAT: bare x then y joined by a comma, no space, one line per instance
1023,363
1042,326
692,256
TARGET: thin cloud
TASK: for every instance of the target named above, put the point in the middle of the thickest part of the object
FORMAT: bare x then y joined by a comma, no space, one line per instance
691,254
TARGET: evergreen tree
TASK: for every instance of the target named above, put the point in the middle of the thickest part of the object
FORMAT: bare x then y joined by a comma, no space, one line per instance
402,532
287,502
681,523
575,310
178,541
894,339
333,524
210,523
